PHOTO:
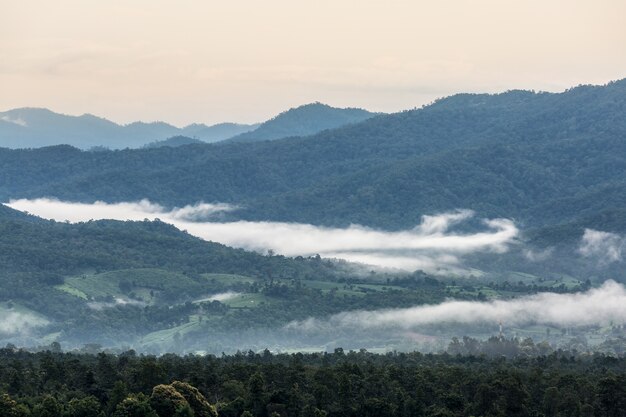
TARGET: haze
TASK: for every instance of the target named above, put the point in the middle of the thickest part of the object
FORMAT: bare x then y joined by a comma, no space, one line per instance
244,61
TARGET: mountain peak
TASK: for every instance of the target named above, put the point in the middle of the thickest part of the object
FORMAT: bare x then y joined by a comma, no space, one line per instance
304,120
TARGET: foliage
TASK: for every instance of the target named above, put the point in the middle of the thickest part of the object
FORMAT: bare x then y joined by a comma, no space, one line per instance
541,158
319,384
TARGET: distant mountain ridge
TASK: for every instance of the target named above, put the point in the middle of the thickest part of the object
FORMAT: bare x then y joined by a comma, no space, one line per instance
173,142
37,127
304,120
539,158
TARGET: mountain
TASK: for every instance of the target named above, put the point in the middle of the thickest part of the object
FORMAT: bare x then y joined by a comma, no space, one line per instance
303,121
80,275
149,286
173,142
539,158
34,128
217,132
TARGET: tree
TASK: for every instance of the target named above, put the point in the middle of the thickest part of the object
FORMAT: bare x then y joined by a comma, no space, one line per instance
197,401
48,407
84,407
8,406
166,401
135,406
116,396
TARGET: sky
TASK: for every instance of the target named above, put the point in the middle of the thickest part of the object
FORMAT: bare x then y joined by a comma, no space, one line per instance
247,60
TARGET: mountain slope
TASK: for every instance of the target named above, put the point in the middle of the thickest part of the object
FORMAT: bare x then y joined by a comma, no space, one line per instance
516,154
173,142
31,244
303,121
218,132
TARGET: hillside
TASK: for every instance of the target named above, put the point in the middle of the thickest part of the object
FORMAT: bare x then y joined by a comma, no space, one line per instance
218,132
303,121
517,154
173,142
92,280
148,285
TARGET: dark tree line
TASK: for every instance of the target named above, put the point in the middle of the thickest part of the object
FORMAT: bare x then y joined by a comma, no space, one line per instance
310,385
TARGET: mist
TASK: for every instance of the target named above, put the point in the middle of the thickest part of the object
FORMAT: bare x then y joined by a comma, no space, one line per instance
604,247
19,323
118,301
598,306
222,296
432,246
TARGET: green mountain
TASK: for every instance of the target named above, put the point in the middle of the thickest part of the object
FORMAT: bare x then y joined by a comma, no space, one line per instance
218,132
303,121
112,281
539,158
153,287
174,142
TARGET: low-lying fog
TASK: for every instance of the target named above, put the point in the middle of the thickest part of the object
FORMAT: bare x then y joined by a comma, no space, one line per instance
596,307
431,246
435,245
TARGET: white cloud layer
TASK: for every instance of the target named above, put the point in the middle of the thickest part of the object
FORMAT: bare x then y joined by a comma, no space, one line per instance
604,246
431,246
14,322
222,296
17,121
118,301
598,306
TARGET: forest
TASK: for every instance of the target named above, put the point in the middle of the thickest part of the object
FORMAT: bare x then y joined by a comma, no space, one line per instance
340,383
545,159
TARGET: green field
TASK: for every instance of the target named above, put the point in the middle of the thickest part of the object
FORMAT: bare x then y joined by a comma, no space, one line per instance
248,300
142,283
167,335
228,279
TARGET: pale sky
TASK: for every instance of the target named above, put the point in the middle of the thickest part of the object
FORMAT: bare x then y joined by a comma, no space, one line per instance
246,60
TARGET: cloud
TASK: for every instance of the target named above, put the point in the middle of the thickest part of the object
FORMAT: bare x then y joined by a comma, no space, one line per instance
431,246
223,296
598,306
138,210
13,322
17,121
118,301
604,246
538,255
199,212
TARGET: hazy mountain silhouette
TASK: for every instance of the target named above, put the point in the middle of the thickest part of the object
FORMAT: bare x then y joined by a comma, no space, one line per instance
35,127
303,121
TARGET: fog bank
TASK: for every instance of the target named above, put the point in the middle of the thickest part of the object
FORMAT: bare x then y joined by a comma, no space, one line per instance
18,323
431,246
598,306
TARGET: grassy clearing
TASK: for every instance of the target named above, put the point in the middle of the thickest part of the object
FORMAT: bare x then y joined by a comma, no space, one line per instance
248,300
139,281
72,291
167,335
228,279
350,290
91,286
475,290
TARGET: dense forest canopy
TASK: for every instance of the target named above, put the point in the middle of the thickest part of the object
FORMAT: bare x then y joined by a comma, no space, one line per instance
541,158
342,383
